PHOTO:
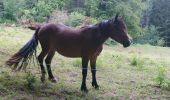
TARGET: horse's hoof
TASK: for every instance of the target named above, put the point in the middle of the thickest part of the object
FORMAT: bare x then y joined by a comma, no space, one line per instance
84,89
53,80
96,86
42,79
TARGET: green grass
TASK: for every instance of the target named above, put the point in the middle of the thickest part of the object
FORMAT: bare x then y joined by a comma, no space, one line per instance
123,73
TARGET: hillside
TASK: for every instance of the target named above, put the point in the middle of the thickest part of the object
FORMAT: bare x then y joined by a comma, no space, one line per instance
137,73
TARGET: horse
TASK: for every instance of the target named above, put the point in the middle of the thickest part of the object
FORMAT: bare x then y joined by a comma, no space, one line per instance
86,43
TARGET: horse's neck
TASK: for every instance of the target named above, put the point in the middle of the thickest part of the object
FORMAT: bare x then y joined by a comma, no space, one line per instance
104,27
104,30
99,38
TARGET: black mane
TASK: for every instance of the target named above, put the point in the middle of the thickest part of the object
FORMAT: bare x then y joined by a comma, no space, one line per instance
104,27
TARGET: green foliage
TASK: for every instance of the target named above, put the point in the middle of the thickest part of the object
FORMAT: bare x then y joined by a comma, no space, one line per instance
157,14
153,12
91,7
137,61
134,61
151,36
130,10
10,9
29,9
75,19
44,8
161,76
166,85
30,80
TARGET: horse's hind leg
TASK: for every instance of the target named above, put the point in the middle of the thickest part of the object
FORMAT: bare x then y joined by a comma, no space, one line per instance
40,59
48,64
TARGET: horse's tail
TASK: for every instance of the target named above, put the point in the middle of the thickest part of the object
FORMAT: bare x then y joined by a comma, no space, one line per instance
34,27
23,56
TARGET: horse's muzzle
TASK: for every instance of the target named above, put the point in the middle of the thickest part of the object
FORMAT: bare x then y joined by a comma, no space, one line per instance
126,43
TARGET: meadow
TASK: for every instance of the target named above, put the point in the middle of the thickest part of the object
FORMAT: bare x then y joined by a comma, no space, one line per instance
140,72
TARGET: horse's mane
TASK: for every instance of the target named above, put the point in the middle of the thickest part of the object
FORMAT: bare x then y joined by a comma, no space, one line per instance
104,26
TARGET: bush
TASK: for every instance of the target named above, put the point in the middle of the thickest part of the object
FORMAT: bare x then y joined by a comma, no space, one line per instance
166,85
137,61
161,76
161,79
58,16
30,80
89,21
41,10
151,36
75,19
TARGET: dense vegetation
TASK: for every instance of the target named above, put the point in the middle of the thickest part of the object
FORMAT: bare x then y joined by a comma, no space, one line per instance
147,20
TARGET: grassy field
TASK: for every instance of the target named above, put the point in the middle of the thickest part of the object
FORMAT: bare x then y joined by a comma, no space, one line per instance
140,72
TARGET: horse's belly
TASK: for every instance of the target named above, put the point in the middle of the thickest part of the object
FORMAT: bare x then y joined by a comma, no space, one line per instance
69,52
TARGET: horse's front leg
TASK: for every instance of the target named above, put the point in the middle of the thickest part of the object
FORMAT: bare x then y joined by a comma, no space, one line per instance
93,71
84,73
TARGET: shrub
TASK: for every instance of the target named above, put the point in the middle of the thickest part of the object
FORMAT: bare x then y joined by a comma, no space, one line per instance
166,85
89,21
151,36
161,76
75,19
161,79
30,80
137,61
58,16
41,10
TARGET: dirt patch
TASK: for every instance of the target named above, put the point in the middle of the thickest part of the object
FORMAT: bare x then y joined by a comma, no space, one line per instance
2,52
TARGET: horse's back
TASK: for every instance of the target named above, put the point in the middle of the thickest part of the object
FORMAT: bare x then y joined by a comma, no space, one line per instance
59,29
63,38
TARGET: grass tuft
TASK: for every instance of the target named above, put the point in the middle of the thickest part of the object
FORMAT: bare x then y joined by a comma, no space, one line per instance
30,80
137,61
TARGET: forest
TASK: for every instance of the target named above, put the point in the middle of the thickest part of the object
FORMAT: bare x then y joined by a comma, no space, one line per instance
138,72
147,20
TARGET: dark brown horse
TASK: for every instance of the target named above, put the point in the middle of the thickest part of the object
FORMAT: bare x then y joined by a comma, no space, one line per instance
85,42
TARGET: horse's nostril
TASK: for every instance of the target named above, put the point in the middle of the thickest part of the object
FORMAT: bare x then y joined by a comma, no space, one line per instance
127,43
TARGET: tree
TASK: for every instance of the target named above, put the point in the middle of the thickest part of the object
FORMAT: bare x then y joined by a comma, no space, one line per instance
157,14
130,9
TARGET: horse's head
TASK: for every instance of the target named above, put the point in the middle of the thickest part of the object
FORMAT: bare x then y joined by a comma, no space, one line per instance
119,31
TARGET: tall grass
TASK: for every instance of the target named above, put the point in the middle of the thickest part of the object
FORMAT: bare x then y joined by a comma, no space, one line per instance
137,62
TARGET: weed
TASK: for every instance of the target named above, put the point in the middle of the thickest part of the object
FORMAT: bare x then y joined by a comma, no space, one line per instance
166,85
161,76
30,80
137,61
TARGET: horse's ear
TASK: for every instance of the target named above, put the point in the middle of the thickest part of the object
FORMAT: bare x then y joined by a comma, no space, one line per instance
116,17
